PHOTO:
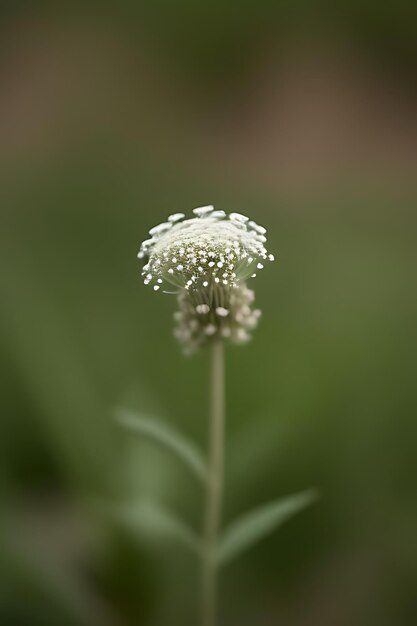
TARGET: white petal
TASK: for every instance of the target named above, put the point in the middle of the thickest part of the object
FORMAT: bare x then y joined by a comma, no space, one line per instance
259,229
217,214
160,228
175,217
203,210
238,217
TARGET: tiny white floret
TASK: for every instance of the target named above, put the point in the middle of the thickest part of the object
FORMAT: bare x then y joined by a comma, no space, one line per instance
202,308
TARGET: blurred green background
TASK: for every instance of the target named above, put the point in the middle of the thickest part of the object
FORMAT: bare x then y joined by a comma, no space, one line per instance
110,119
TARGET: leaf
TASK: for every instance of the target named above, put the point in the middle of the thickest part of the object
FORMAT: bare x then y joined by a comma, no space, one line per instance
165,436
158,523
255,525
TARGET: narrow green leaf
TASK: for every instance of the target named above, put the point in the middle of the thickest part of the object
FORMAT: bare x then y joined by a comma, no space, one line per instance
165,436
255,525
157,523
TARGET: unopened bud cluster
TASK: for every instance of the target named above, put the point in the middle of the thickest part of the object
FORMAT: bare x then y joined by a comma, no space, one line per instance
206,261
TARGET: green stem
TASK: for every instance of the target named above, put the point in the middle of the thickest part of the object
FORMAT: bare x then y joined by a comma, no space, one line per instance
215,487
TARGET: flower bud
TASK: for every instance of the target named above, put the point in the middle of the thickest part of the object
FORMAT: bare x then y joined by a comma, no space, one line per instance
206,261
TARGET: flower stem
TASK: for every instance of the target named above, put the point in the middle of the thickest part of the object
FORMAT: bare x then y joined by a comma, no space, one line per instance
215,487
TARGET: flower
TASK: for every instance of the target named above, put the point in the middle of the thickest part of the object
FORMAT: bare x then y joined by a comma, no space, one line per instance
207,260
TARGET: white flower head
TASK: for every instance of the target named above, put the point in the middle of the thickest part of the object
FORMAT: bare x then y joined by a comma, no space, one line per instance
206,260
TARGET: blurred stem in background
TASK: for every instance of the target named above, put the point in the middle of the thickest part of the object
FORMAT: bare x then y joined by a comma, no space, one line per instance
215,487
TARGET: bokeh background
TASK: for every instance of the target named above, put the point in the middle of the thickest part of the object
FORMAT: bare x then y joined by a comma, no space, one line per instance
114,116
